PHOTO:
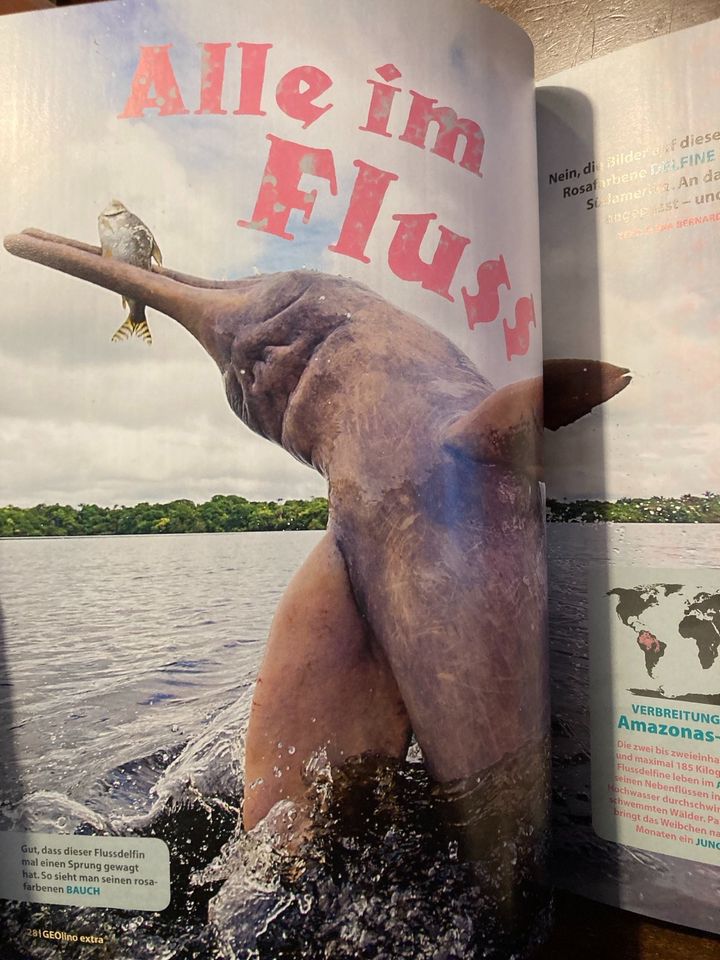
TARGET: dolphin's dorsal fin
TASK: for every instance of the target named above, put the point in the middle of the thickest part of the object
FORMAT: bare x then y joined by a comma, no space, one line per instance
506,428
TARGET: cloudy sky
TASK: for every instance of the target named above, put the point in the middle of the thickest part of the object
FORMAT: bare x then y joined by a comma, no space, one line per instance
652,303
84,420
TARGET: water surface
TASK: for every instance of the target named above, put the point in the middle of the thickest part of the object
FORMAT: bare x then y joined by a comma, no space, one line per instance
131,663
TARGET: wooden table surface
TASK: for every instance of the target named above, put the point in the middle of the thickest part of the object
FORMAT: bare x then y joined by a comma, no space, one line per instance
585,930
567,32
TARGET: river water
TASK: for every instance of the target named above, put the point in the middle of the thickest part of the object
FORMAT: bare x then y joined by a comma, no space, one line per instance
122,646
127,674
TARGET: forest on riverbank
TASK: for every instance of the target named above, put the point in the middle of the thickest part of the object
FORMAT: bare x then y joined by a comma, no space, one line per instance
232,514
221,514
685,509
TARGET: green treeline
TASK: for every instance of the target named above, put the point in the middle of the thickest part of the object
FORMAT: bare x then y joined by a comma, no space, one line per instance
221,514
235,514
685,509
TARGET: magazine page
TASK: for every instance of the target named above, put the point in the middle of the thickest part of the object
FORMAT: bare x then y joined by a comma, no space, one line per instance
629,173
273,643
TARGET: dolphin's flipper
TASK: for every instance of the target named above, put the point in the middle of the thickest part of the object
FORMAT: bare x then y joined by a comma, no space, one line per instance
506,428
573,387
324,685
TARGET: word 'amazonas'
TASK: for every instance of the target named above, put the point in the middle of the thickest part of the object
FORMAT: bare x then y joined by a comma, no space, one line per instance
155,87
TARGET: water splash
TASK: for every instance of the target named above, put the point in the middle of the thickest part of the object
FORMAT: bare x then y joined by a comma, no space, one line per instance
388,867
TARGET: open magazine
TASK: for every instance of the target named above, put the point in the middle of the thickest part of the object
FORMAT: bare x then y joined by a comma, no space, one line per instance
629,174
317,724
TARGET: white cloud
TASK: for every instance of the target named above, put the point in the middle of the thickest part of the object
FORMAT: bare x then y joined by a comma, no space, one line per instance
103,414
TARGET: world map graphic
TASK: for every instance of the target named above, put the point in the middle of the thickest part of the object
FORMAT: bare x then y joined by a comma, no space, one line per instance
696,621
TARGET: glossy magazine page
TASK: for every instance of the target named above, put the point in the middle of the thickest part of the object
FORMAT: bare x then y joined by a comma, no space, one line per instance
272,574
629,174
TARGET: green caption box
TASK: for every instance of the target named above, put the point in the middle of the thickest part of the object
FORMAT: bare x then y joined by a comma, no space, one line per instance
132,873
